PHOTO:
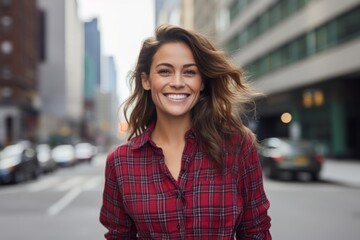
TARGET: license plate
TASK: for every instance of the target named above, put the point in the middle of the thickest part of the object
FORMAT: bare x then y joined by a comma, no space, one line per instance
302,161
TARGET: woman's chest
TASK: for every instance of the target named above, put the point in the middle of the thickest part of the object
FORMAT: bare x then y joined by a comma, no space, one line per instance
203,196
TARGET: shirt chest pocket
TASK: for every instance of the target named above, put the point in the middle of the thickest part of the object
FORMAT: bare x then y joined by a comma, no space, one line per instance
150,205
217,200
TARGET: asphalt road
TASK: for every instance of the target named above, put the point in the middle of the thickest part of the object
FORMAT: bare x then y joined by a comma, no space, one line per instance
313,211
62,205
65,205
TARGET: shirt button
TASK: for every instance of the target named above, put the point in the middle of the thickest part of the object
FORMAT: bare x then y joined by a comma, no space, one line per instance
178,226
177,194
183,170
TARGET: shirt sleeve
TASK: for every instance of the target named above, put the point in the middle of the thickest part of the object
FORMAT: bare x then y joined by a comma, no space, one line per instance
256,221
112,214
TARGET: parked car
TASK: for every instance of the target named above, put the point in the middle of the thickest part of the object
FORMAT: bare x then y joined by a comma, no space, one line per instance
279,155
84,152
64,155
46,161
18,162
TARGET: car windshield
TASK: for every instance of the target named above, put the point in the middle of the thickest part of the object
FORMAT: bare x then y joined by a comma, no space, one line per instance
298,146
63,151
11,151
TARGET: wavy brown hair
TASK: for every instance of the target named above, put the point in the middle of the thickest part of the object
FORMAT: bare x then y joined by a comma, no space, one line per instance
221,105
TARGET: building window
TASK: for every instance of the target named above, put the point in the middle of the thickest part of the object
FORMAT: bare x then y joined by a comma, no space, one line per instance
348,26
6,47
42,36
6,92
237,7
6,23
5,3
329,35
321,39
5,72
272,16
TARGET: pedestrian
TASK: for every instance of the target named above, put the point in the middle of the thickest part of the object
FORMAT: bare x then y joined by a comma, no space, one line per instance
190,168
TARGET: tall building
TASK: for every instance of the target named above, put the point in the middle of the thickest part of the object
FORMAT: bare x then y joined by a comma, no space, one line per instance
204,18
304,55
92,49
19,100
167,11
61,69
109,120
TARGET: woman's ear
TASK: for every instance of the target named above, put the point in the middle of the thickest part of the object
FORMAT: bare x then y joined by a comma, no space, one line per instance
202,86
145,81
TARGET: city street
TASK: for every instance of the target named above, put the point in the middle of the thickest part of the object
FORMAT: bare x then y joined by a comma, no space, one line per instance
58,206
65,205
321,211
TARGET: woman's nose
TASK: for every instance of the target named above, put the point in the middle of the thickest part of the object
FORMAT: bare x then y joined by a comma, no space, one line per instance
177,81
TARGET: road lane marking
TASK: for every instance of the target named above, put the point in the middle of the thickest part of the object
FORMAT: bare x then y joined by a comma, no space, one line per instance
94,183
70,183
99,160
43,184
64,201
10,191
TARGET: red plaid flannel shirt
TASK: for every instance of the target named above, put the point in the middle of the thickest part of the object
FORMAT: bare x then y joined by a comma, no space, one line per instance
142,200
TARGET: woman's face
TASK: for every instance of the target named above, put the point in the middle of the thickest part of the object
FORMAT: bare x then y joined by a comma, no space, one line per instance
174,80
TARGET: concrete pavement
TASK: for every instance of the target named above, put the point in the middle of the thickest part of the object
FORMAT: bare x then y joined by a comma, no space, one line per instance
342,171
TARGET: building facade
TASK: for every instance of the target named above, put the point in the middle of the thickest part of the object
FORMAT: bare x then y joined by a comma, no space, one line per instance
93,77
167,11
108,104
303,54
61,69
19,101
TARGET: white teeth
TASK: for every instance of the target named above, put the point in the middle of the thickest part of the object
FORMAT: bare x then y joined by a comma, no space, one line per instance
177,96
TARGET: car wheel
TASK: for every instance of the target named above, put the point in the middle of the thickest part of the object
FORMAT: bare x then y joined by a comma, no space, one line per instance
18,177
269,171
314,176
35,174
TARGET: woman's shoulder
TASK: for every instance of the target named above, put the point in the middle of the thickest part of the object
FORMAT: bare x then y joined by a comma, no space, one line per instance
245,139
127,149
122,149
116,152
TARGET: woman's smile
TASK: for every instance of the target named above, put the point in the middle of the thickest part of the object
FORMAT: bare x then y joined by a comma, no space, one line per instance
177,97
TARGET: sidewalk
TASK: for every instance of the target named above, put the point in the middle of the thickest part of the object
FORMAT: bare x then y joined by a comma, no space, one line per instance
344,171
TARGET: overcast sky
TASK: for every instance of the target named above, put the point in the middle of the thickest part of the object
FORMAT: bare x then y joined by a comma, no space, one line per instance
124,24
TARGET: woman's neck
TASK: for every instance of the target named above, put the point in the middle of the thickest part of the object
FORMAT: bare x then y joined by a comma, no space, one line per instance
170,131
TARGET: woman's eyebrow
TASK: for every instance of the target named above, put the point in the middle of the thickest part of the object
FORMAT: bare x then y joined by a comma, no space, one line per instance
164,64
190,65
171,66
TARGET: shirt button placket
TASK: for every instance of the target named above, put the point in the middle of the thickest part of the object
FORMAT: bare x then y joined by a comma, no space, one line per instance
181,230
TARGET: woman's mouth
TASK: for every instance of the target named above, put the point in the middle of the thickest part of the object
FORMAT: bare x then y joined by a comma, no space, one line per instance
176,97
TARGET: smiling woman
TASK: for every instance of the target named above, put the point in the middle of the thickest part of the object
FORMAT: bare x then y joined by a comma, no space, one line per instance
190,169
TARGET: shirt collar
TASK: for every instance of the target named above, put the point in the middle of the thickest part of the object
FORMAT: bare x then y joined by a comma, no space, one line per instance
139,141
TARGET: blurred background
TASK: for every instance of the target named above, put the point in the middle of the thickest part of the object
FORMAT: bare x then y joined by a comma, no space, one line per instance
63,75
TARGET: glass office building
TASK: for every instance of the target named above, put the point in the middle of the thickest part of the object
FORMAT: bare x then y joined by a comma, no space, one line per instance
304,55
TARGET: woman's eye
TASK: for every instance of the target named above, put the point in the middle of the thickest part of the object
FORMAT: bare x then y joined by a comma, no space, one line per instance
164,72
189,72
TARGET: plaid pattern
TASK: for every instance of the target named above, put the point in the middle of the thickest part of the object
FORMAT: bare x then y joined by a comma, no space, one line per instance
142,200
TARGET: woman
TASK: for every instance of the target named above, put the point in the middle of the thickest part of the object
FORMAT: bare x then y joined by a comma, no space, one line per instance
190,169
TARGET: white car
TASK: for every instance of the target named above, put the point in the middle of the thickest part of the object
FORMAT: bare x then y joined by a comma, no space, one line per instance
84,152
64,155
46,161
